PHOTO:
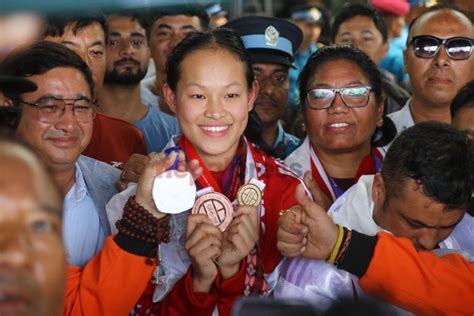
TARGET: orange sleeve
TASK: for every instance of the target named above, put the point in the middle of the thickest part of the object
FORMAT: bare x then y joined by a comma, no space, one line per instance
421,282
110,284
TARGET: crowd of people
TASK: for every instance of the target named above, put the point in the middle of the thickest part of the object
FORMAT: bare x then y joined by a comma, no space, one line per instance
331,176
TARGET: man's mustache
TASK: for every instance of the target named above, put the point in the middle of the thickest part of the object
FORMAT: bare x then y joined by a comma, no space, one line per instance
127,60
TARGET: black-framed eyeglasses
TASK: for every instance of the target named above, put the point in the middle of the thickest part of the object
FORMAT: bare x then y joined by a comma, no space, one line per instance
353,97
427,46
50,109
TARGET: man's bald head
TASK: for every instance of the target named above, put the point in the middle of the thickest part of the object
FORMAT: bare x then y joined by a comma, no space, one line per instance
436,12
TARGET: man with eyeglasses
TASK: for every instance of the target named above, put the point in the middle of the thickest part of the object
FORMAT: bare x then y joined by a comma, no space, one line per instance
57,120
113,140
439,62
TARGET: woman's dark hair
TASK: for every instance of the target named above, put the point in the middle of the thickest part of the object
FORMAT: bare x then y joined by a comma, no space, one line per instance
41,57
336,53
438,157
218,38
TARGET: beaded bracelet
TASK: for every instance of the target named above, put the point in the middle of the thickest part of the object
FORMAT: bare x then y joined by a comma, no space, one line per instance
345,244
141,225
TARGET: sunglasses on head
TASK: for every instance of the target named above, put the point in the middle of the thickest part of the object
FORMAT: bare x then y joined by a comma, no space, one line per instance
427,46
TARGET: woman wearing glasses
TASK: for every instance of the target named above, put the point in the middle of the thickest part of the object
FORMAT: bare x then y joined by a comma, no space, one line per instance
341,93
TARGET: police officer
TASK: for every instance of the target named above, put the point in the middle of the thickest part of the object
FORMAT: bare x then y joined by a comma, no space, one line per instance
272,44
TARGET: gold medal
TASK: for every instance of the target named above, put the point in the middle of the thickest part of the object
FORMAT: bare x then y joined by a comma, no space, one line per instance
250,195
217,207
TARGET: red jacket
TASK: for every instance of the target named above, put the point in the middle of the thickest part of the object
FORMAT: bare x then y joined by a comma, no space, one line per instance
278,195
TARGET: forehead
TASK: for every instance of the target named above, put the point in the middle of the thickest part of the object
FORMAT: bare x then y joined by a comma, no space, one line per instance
446,23
124,24
90,33
269,67
61,81
411,203
179,21
340,70
25,186
358,23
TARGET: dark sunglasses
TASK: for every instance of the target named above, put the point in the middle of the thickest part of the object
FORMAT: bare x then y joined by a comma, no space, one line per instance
9,118
427,46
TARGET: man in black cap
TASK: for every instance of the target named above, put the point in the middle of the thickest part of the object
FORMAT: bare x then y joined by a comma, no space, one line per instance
272,44
10,115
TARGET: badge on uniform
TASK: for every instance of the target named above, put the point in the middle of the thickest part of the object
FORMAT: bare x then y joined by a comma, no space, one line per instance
271,36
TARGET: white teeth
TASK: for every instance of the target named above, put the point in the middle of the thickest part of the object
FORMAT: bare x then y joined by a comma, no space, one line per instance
337,125
214,129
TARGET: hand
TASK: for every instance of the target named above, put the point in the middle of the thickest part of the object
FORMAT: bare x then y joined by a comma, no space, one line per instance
291,234
318,195
156,165
322,234
238,240
203,243
132,170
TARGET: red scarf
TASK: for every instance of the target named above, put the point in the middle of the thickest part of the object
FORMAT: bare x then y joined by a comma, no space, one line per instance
233,179
370,164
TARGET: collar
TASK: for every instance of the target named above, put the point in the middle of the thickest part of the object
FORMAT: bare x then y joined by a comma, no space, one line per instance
280,138
79,189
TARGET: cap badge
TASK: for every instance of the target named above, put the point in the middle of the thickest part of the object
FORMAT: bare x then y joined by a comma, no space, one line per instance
315,14
271,36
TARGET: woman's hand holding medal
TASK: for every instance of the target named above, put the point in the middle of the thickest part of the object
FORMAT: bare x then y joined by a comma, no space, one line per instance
238,240
158,163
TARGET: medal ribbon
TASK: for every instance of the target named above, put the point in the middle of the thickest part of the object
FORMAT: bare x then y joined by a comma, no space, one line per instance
255,282
370,164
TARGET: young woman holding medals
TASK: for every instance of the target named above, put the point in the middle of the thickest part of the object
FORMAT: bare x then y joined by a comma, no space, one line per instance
211,88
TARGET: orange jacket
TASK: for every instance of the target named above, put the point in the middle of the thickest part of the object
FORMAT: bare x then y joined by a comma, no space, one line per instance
110,284
420,282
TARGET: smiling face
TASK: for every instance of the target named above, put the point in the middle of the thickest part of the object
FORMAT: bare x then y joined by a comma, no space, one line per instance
60,143
413,215
32,270
361,32
89,43
212,101
166,33
436,80
128,54
273,89
340,129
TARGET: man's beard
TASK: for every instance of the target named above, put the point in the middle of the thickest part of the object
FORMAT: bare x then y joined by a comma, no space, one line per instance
127,77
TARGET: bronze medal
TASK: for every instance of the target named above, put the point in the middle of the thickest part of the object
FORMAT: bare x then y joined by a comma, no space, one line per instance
217,207
250,195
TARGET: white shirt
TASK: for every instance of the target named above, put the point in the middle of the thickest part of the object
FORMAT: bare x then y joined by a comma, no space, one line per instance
402,118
